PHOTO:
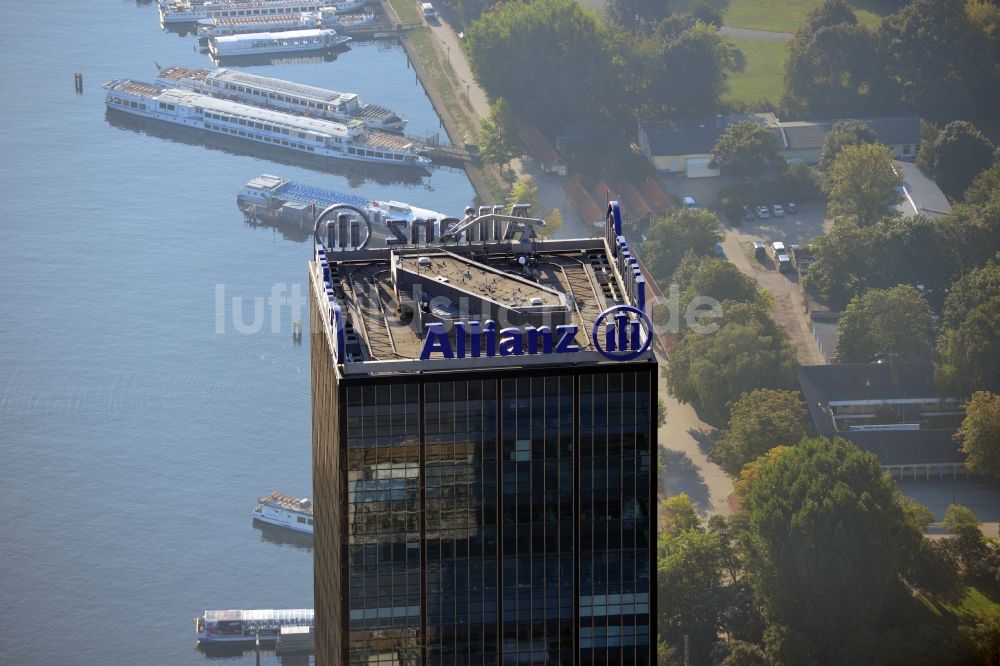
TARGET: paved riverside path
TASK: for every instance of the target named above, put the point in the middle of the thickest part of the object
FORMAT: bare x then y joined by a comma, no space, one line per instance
684,442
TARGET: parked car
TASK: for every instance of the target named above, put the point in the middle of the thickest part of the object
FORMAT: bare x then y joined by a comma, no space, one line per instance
783,263
778,210
719,252
689,202
777,247
748,213
759,250
763,213
792,208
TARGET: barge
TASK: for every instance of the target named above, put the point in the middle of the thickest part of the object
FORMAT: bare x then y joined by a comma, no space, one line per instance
297,134
288,96
255,44
233,627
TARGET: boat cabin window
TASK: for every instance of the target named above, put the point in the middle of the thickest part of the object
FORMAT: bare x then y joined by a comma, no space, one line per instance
301,519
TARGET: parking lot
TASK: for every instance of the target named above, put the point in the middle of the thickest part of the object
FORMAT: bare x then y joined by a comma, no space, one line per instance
809,222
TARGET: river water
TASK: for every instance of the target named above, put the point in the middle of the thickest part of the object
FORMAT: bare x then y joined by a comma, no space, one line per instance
140,417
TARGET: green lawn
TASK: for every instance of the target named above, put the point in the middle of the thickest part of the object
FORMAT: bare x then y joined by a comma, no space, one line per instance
787,15
763,77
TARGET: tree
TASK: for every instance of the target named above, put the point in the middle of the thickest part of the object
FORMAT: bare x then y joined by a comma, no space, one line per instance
985,189
748,351
971,290
689,582
500,143
553,223
525,191
831,12
555,61
967,542
844,133
843,262
715,278
745,149
938,55
634,14
836,70
746,654
958,517
958,153
984,635
969,354
979,434
759,420
826,540
686,71
863,183
669,238
935,571
679,515
896,320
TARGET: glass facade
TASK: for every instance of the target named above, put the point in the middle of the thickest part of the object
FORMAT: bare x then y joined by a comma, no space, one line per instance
501,518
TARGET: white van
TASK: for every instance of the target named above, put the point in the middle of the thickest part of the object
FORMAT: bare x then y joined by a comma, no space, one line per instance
428,10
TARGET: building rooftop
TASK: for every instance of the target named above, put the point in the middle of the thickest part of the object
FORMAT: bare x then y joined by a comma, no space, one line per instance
841,394
388,299
921,195
869,381
694,136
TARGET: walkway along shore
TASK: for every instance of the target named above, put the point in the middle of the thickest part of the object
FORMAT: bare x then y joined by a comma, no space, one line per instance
453,126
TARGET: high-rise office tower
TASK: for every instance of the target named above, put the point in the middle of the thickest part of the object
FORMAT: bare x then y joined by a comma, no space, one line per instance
484,445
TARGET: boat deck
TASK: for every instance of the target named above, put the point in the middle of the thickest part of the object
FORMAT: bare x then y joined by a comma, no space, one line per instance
137,88
322,197
386,140
302,505
373,111
178,74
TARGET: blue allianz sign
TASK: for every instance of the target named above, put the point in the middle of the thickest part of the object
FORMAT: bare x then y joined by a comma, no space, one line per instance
617,335
475,339
622,338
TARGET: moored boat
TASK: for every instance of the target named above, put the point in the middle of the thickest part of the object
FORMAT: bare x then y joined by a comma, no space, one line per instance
310,136
221,27
175,12
252,44
220,627
282,510
267,92
280,200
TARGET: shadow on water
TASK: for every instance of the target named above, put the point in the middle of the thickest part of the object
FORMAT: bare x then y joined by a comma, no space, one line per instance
233,652
262,60
283,537
355,173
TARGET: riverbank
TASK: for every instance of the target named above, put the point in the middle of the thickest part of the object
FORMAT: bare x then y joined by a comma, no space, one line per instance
450,94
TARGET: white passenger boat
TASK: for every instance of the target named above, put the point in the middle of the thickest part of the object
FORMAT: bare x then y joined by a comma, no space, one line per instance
218,627
276,43
309,136
328,17
282,510
175,12
246,88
